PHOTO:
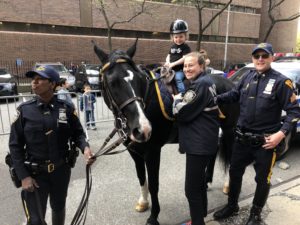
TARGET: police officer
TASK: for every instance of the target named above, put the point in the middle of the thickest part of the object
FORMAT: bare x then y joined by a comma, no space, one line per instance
39,142
263,93
198,125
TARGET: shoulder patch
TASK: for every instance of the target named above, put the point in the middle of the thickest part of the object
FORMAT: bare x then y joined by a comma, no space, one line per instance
289,84
189,96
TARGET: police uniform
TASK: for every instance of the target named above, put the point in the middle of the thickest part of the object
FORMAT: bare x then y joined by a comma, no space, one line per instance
262,98
198,127
38,143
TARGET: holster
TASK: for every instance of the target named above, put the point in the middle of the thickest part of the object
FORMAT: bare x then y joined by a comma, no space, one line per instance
72,155
251,139
12,171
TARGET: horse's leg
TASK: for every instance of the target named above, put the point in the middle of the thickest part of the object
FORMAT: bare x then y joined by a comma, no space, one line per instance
153,164
143,203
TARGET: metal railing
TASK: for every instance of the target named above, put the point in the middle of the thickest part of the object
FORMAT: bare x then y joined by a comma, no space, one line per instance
9,104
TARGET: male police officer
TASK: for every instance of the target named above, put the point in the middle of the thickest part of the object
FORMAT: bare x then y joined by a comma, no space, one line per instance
38,145
263,93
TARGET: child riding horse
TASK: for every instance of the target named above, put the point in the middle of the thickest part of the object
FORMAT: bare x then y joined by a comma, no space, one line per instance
131,95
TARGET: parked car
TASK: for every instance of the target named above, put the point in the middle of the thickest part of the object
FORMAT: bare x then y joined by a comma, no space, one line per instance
87,73
63,72
288,59
8,83
292,71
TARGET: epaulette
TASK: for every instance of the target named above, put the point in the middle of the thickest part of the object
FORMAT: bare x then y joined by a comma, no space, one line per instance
27,102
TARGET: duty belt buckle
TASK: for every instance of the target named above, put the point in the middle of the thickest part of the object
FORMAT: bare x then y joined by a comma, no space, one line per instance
51,167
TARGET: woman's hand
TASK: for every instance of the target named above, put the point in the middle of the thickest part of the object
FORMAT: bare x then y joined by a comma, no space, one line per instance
88,155
29,184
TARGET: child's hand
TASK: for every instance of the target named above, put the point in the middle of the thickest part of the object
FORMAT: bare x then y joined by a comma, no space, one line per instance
178,96
167,64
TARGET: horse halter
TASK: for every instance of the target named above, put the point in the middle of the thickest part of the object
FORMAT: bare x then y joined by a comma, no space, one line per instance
120,119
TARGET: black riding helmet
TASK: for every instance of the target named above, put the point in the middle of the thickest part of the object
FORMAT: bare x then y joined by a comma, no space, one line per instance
179,26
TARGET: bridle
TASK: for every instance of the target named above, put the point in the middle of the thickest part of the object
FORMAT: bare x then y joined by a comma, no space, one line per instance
120,127
120,119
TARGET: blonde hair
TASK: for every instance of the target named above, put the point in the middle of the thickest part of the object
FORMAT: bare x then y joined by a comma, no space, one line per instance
200,58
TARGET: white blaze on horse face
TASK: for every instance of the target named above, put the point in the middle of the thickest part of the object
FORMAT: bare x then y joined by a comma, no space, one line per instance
144,124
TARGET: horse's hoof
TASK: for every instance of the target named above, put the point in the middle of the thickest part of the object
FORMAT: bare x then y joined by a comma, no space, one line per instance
226,188
142,207
152,221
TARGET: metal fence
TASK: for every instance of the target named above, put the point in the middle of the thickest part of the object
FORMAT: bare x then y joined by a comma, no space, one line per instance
9,104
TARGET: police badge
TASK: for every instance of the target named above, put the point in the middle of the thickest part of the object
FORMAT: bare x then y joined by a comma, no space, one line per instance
62,116
189,96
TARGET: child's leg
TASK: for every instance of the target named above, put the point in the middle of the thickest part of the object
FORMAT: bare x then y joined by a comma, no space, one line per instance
93,118
179,76
88,118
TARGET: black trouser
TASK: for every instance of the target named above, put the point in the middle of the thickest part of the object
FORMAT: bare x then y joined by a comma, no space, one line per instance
263,159
195,187
55,185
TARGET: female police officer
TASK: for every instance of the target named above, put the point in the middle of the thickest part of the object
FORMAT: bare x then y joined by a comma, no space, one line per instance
39,142
262,93
198,125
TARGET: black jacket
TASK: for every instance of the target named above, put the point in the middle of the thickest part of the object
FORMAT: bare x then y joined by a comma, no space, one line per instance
42,132
198,117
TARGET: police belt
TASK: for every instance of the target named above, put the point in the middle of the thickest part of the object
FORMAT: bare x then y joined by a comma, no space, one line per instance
46,166
248,138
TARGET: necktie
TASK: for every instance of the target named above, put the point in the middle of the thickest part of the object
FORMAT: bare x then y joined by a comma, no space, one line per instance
252,97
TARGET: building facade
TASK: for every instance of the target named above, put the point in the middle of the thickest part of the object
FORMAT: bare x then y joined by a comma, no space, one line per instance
62,30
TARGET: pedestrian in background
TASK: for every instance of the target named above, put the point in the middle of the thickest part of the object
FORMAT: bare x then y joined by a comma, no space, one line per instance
198,125
263,93
63,92
87,101
175,58
39,146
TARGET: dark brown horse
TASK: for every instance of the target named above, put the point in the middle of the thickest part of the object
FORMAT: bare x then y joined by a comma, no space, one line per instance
131,95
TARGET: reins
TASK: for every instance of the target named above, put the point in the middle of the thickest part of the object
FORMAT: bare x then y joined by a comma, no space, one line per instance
120,128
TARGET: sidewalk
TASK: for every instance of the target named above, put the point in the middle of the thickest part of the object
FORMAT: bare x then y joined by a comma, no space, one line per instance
282,208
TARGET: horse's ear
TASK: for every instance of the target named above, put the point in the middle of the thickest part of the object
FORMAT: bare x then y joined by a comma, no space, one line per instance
132,49
101,54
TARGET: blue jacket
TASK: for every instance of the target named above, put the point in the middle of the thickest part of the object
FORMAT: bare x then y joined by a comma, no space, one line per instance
261,113
42,132
198,117
87,101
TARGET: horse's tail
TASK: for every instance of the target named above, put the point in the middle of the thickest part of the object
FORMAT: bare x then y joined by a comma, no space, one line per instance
226,146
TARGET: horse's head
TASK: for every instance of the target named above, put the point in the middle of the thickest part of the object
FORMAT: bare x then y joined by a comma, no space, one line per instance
124,91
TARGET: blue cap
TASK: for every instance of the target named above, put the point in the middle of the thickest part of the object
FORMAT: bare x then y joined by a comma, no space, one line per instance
44,71
267,47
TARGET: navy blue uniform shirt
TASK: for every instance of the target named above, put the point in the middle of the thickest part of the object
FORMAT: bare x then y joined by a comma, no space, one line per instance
198,117
42,131
261,112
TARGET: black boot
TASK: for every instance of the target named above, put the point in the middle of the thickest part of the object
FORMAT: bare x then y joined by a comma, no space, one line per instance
226,212
255,218
58,218
232,207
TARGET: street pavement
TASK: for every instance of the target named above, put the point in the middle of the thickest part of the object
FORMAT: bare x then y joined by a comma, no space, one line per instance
115,190
282,208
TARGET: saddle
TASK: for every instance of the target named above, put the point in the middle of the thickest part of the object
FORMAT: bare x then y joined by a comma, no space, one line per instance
167,77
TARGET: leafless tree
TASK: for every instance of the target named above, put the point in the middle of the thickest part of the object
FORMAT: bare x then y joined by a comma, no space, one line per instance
200,5
138,8
273,14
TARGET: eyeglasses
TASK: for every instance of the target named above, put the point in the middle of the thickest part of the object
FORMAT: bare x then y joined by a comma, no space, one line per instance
263,56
